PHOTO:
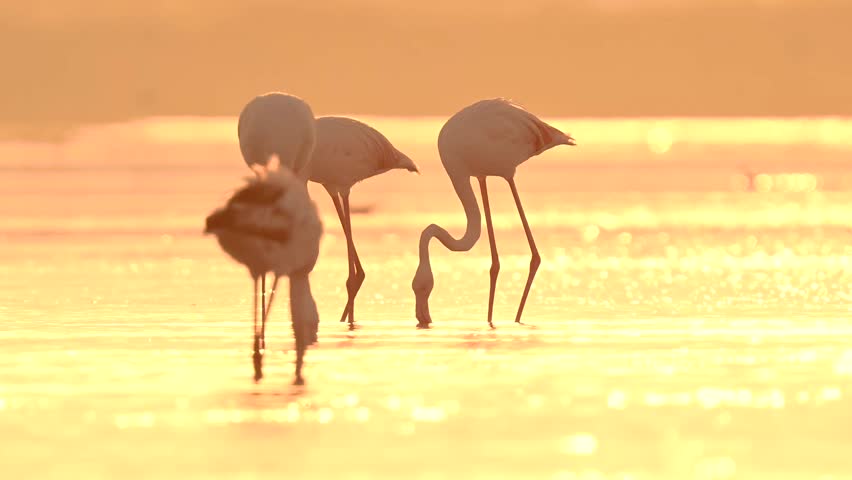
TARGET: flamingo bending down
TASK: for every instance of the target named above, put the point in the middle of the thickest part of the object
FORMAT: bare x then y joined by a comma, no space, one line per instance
488,138
276,125
283,126
271,224
347,152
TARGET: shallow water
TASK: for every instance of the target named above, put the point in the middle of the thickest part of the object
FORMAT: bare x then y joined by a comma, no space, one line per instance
679,327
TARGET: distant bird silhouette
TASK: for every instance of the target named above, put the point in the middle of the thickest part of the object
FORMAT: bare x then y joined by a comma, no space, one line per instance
271,225
277,124
750,176
488,138
347,152
362,209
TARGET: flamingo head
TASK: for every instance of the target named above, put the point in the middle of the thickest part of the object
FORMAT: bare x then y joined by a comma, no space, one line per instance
422,286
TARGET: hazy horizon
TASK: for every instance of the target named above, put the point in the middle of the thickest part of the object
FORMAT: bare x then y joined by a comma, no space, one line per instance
77,62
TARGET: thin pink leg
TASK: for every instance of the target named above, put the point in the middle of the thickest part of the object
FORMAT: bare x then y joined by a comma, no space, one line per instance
338,205
358,280
495,259
257,357
536,259
266,315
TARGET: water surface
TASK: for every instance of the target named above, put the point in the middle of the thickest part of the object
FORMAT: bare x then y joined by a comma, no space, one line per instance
681,325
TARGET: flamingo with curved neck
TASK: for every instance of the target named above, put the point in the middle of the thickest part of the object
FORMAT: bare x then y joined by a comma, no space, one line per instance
488,138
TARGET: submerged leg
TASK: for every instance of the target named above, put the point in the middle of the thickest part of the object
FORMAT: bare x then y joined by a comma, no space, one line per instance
536,259
311,340
305,318
257,357
338,205
495,259
358,280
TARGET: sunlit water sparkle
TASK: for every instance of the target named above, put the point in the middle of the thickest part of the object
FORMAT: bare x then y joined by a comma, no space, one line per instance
677,329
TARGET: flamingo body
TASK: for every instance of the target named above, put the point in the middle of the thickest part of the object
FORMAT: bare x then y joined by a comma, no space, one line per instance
269,225
277,124
349,151
488,138
492,137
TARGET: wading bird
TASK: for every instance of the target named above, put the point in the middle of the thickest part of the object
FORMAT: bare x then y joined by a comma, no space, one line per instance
271,225
347,152
488,138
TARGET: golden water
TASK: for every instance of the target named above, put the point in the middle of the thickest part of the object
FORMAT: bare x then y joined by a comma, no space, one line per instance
680,327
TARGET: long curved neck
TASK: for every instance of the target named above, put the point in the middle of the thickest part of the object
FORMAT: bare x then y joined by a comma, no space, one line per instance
303,308
301,297
461,183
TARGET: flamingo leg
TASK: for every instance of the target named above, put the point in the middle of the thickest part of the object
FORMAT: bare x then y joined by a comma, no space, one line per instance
263,300
301,343
338,205
257,357
536,259
269,307
305,316
266,315
358,280
495,259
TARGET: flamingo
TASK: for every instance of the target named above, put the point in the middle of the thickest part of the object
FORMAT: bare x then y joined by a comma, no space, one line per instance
271,224
488,138
282,126
347,152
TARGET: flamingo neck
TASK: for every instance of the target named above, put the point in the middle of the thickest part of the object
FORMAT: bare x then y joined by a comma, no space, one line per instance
461,183
302,305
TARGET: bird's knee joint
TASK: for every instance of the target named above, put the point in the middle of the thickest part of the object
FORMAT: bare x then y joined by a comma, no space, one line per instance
535,261
356,279
495,269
